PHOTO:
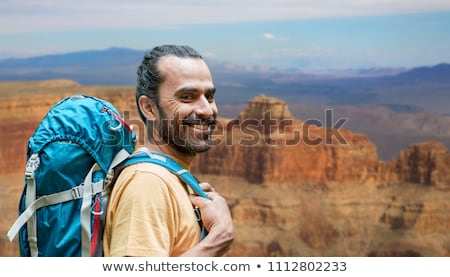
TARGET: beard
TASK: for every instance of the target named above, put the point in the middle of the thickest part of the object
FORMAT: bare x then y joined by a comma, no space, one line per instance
190,135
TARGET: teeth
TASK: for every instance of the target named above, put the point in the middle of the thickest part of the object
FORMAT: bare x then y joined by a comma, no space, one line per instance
201,127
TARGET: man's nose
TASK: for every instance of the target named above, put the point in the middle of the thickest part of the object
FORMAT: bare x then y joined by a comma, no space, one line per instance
204,108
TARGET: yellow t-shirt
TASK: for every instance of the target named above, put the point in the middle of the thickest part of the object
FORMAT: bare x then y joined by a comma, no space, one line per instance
149,214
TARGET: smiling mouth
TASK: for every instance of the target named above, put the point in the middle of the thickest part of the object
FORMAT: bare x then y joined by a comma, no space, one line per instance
201,127
200,124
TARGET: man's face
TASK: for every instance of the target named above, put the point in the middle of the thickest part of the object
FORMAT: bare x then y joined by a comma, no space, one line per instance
187,109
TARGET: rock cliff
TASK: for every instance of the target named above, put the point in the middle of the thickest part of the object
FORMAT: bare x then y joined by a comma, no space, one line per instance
295,188
425,163
266,144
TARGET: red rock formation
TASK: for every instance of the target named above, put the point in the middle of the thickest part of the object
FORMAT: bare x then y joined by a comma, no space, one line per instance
266,144
425,163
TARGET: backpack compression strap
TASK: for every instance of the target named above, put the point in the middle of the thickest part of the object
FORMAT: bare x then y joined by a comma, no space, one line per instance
85,191
143,155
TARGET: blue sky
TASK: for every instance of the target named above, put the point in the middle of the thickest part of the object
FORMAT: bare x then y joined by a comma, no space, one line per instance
308,34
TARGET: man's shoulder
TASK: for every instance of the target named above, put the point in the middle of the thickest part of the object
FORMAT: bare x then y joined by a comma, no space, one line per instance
133,177
146,168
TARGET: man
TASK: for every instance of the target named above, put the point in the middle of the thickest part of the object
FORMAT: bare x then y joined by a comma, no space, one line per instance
151,212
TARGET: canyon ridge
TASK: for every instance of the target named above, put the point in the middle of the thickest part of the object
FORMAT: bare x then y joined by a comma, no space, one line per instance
295,188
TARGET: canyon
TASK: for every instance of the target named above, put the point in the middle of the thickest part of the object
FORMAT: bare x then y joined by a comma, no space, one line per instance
295,188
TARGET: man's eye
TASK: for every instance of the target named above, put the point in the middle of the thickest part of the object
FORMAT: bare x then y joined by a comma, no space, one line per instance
186,97
210,97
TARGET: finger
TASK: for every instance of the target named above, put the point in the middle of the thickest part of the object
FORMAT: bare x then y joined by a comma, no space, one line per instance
199,201
206,187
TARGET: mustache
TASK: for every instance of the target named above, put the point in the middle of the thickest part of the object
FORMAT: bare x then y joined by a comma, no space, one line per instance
193,119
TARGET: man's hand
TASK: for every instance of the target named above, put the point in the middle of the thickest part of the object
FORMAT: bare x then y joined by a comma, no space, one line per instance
216,217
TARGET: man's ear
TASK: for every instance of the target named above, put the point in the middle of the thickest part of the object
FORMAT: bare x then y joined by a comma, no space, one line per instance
148,108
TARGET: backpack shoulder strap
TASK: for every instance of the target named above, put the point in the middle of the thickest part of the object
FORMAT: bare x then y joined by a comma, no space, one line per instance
145,155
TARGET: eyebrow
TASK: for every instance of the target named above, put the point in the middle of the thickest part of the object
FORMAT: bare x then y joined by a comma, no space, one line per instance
192,89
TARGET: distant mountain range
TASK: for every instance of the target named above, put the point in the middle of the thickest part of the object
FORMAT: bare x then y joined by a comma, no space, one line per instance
114,66
400,89
393,106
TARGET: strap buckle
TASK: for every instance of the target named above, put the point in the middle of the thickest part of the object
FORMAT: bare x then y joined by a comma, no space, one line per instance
197,214
109,177
32,164
76,193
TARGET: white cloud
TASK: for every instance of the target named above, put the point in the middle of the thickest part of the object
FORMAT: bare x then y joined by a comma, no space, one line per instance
270,36
51,15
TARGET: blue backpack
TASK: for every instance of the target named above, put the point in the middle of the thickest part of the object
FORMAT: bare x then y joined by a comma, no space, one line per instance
71,158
